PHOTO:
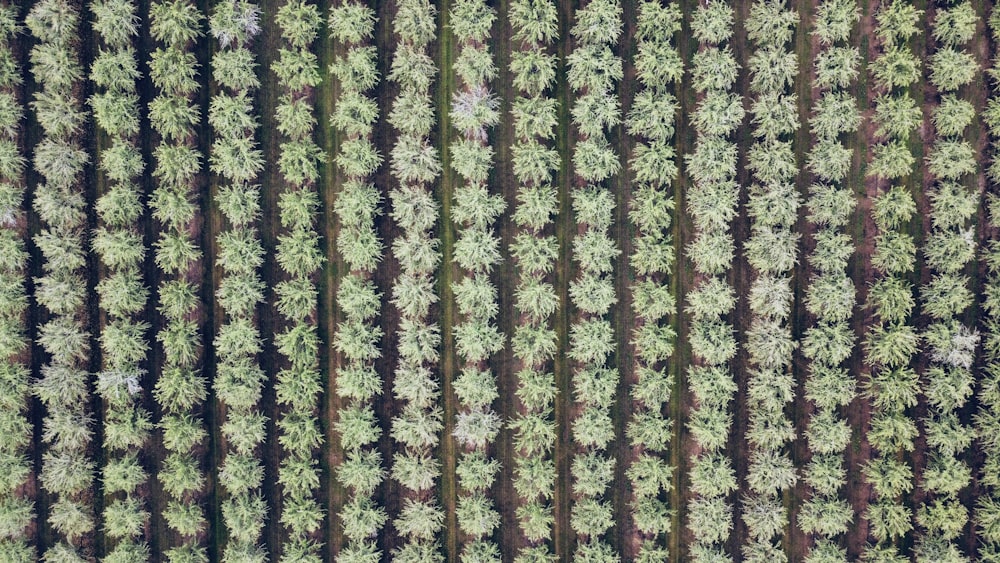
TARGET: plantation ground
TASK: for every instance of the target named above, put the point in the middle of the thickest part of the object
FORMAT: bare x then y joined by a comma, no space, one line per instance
504,364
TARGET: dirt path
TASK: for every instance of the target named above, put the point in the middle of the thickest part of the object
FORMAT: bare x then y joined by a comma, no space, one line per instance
92,184
269,320
332,494
740,279
862,230
919,183
681,281
389,493
563,534
983,47
447,273
796,543
504,364
26,139
215,414
624,536
158,533
35,315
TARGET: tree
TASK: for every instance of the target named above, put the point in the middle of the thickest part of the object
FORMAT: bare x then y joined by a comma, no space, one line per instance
833,250
591,341
185,519
351,22
598,21
356,70
831,297
773,69
829,343
534,433
595,160
827,433
892,432
361,471
955,25
297,69
419,520
657,63
712,22
770,22
181,432
652,115
897,21
591,294
234,22
951,159
117,70
472,20
654,163
124,518
417,428
649,474
594,67
591,517
244,518
175,22
362,518
71,519
357,427
481,551
896,67
952,205
418,552
595,251
593,428
952,69
534,71
651,515
835,113
712,476
764,517
536,520
476,515
834,20
534,21
415,21
477,428
592,473
534,477
596,386
770,472
300,22
710,519
476,472
952,116
414,160
830,160
889,521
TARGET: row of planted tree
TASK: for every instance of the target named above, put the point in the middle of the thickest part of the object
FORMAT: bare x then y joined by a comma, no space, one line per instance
119,221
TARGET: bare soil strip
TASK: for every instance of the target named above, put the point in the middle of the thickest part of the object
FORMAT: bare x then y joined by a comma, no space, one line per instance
449,361
389,492
565,537
681,281
862,231
327,137
796,543
740,280
269,320
624,537
504,365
